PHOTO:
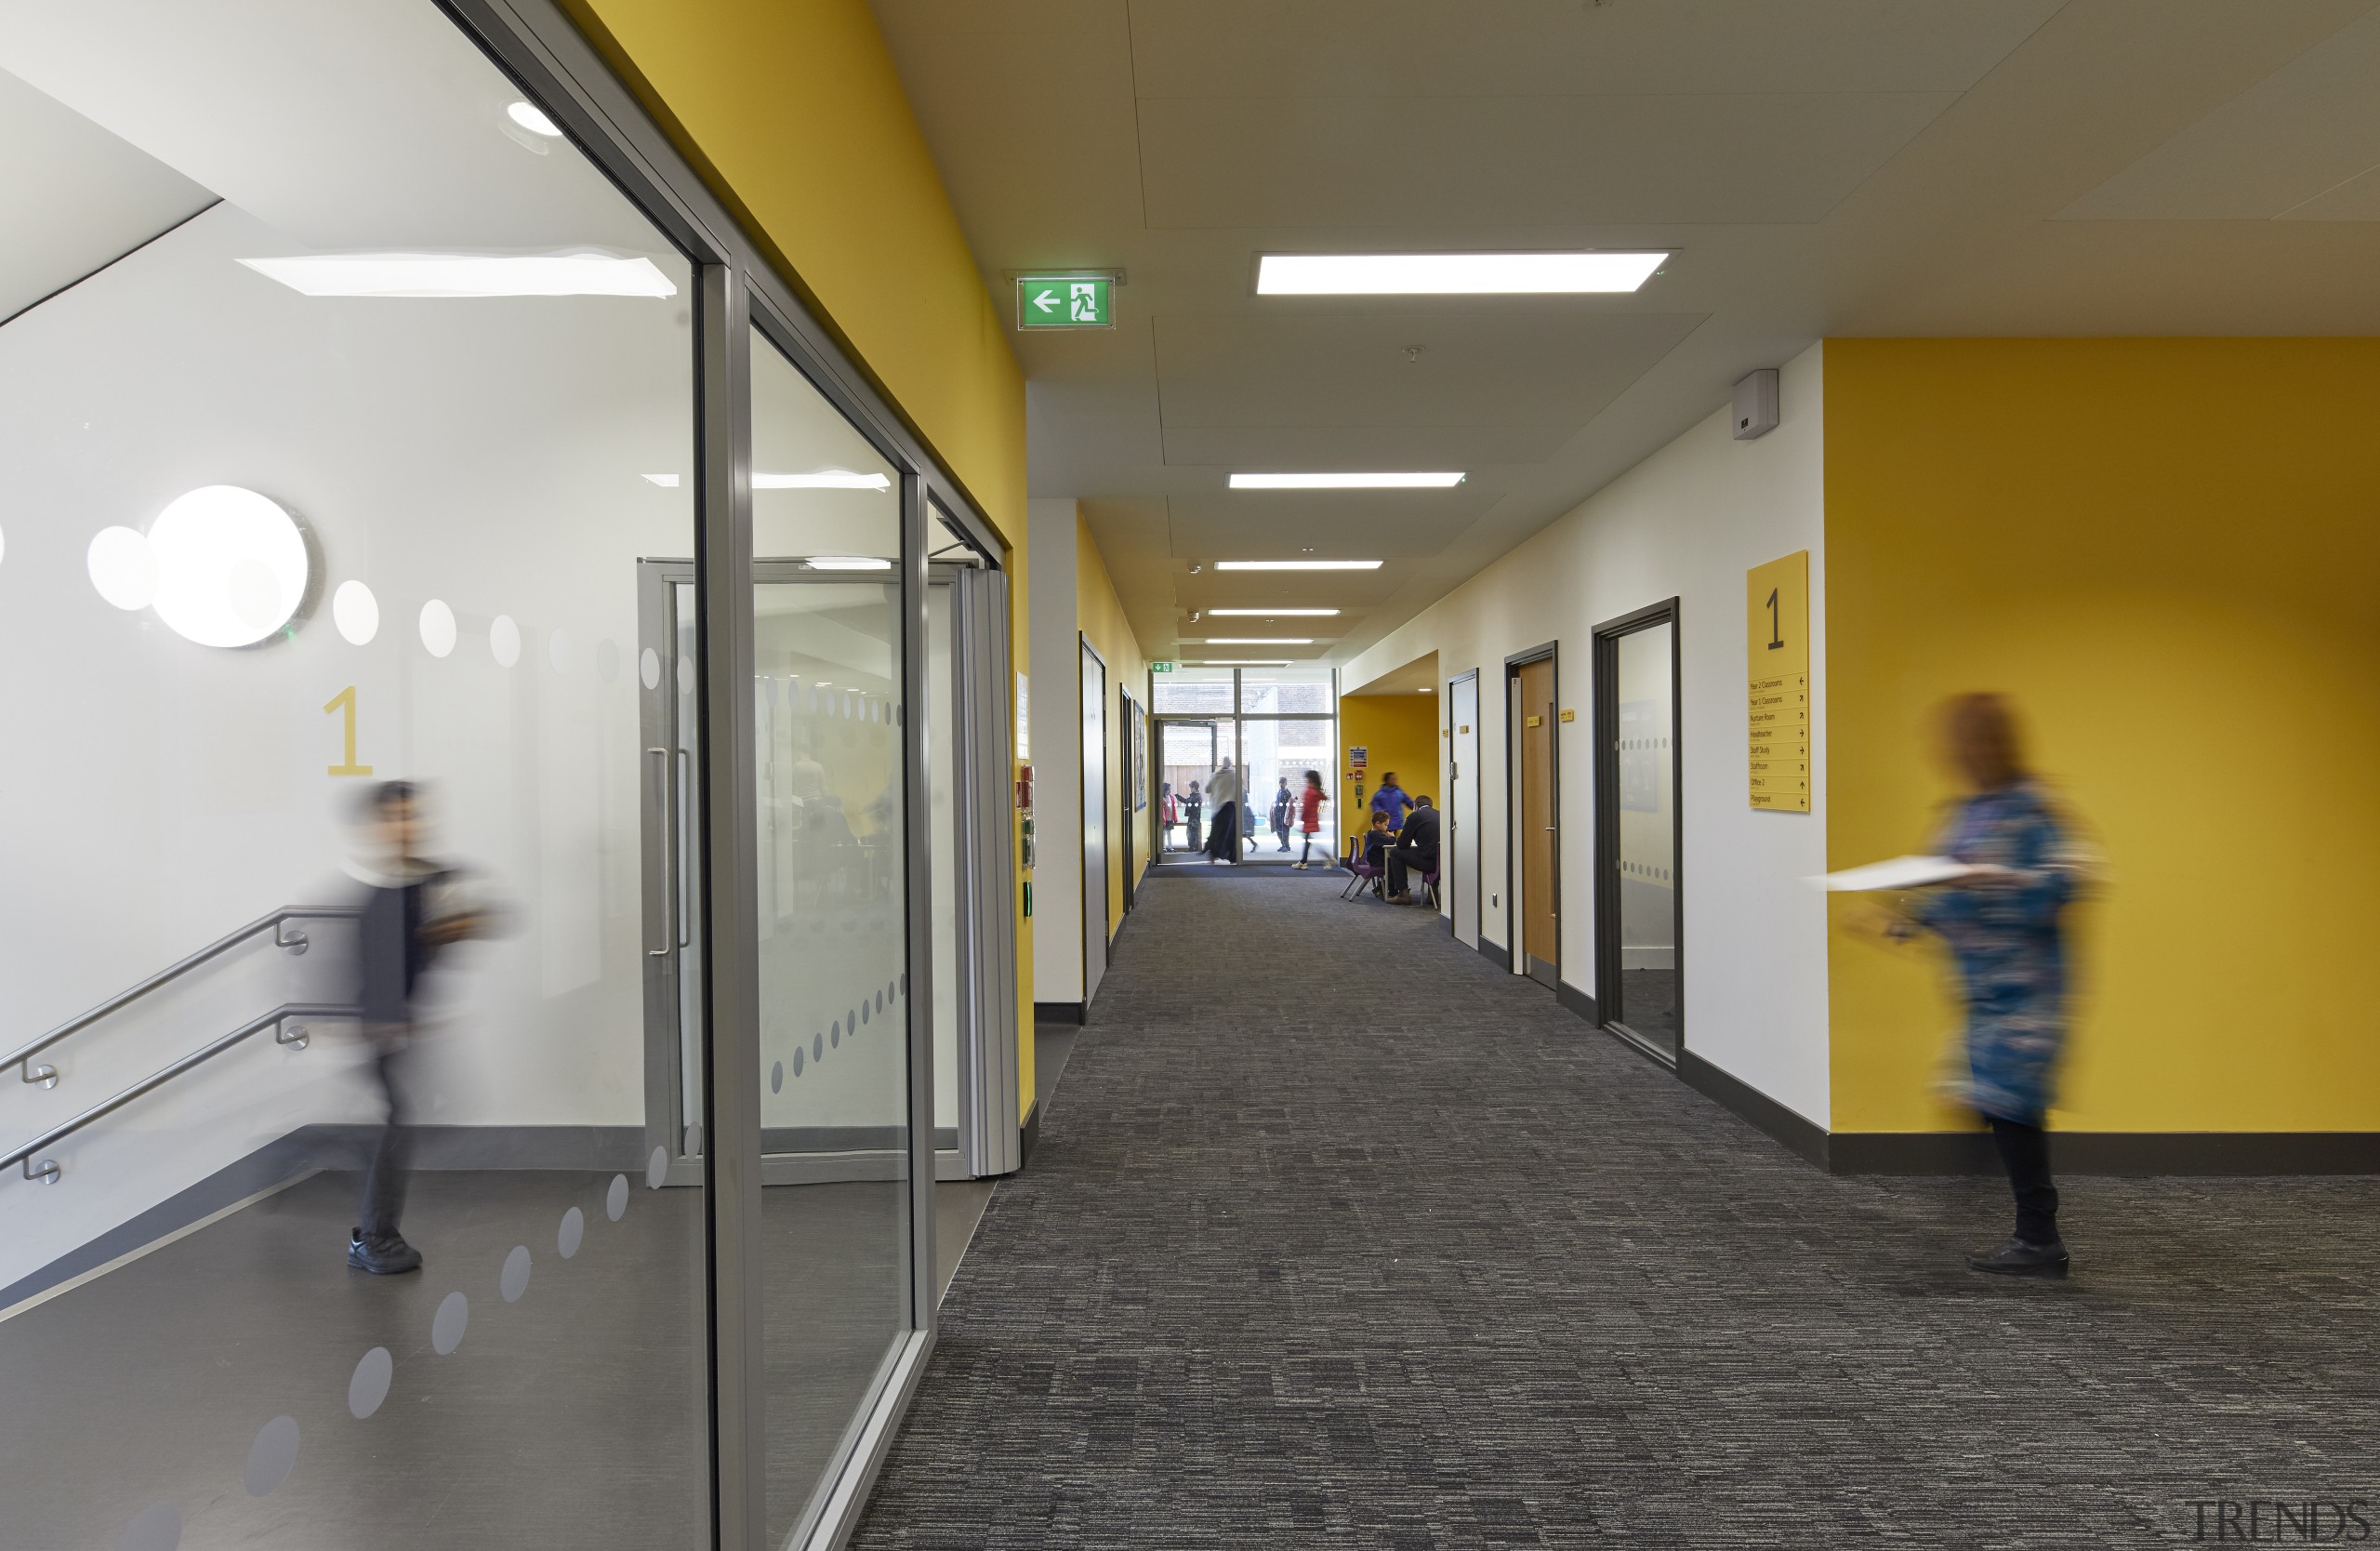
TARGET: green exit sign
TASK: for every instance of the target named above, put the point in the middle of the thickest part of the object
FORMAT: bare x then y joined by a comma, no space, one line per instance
1160,668
1065,301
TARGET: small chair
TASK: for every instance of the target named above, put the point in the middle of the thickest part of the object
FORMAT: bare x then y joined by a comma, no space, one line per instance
1363,873
1430,889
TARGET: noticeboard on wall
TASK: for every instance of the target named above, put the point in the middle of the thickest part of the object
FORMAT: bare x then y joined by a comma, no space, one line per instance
1776,677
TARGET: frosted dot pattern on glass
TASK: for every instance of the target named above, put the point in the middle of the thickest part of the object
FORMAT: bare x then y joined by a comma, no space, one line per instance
157,1526
369,1384
656,1168
573,1230
271,1456
447,1326
515,1280
356,613
649,669
561,652
615,1199
504,641
437,628
685,675
776,1078
122,569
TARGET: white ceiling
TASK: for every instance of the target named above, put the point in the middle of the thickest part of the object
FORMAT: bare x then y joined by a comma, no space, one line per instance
1820,167
78,198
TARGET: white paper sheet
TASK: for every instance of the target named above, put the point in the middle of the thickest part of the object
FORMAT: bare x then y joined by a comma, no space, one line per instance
1901,873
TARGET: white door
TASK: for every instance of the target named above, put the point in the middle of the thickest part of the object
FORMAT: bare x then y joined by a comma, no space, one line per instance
1094,821
1461,871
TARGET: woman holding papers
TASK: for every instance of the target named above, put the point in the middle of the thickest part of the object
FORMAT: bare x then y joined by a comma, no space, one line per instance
2001,920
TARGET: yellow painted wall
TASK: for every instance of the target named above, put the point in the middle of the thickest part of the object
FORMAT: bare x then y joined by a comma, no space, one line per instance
1099,613
1401,730
2168,551
792,112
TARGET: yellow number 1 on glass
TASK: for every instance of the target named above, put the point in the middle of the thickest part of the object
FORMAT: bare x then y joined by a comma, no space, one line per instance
345,700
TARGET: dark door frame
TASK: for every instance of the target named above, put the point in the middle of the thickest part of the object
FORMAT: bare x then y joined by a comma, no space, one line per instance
1515,932
1454,851
1607,768
1159,721
1107,921
1124,785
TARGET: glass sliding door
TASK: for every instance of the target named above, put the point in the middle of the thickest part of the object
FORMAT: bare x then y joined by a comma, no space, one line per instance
829,635
331,493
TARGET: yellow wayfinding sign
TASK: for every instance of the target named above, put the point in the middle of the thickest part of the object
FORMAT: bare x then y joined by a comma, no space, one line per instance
1776,676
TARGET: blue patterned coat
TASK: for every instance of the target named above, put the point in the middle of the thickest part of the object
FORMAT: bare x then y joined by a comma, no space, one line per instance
2010,944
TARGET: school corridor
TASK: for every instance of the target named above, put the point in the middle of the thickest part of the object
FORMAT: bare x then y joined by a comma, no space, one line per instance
1340,1236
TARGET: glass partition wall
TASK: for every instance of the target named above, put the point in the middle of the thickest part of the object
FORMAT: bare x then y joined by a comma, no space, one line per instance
474,1081
1260,728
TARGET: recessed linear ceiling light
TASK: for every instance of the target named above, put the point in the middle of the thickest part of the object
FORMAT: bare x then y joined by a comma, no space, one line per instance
1345,482
467,274
1241,662
848,563
531,119
1273,613
825,479
1374,275
1257,641
1296,566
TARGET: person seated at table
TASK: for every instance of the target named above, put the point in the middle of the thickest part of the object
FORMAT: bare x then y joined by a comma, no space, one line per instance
1377,841
1416,850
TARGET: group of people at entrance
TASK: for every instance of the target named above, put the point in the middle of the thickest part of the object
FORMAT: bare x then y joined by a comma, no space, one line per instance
1402,842
1299,812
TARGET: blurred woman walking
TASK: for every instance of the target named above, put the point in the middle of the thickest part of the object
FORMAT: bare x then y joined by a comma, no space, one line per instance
2003,919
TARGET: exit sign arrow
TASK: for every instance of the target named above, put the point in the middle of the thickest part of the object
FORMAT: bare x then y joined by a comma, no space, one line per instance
1076,300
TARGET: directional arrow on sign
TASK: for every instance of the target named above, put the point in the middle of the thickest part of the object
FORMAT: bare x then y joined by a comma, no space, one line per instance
1045,301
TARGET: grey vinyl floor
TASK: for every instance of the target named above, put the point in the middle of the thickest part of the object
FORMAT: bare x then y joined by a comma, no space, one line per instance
1381,1248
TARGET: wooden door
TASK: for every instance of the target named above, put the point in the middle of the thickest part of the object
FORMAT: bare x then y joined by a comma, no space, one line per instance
1541,902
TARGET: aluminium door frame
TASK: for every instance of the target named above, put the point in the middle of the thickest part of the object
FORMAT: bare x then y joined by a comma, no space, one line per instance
1516,929
1469,847
737,287
1607,637
1212,722
1125,784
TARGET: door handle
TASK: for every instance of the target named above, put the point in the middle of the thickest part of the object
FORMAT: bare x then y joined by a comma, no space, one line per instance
677,879
668,871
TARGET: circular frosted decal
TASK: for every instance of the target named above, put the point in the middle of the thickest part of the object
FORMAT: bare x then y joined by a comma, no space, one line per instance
574,1231
271,1456
356,613
685,675
515,1280
157,1526
560,652
122,568
656,1168
369,1385
437,628
615,1199
648,668
776,1078
446,1327
504,641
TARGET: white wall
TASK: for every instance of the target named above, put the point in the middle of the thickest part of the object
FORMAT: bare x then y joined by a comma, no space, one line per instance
1056,714
489,454
1687,523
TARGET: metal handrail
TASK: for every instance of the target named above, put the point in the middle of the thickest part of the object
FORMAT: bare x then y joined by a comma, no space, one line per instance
294,1035
292,943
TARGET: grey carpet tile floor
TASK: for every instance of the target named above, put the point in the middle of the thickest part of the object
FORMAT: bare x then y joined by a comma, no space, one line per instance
1337,1235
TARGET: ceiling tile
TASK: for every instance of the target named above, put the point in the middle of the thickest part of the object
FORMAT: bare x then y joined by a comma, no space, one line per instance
1510,366
2291,146
1568,48
1277,449
1516,161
